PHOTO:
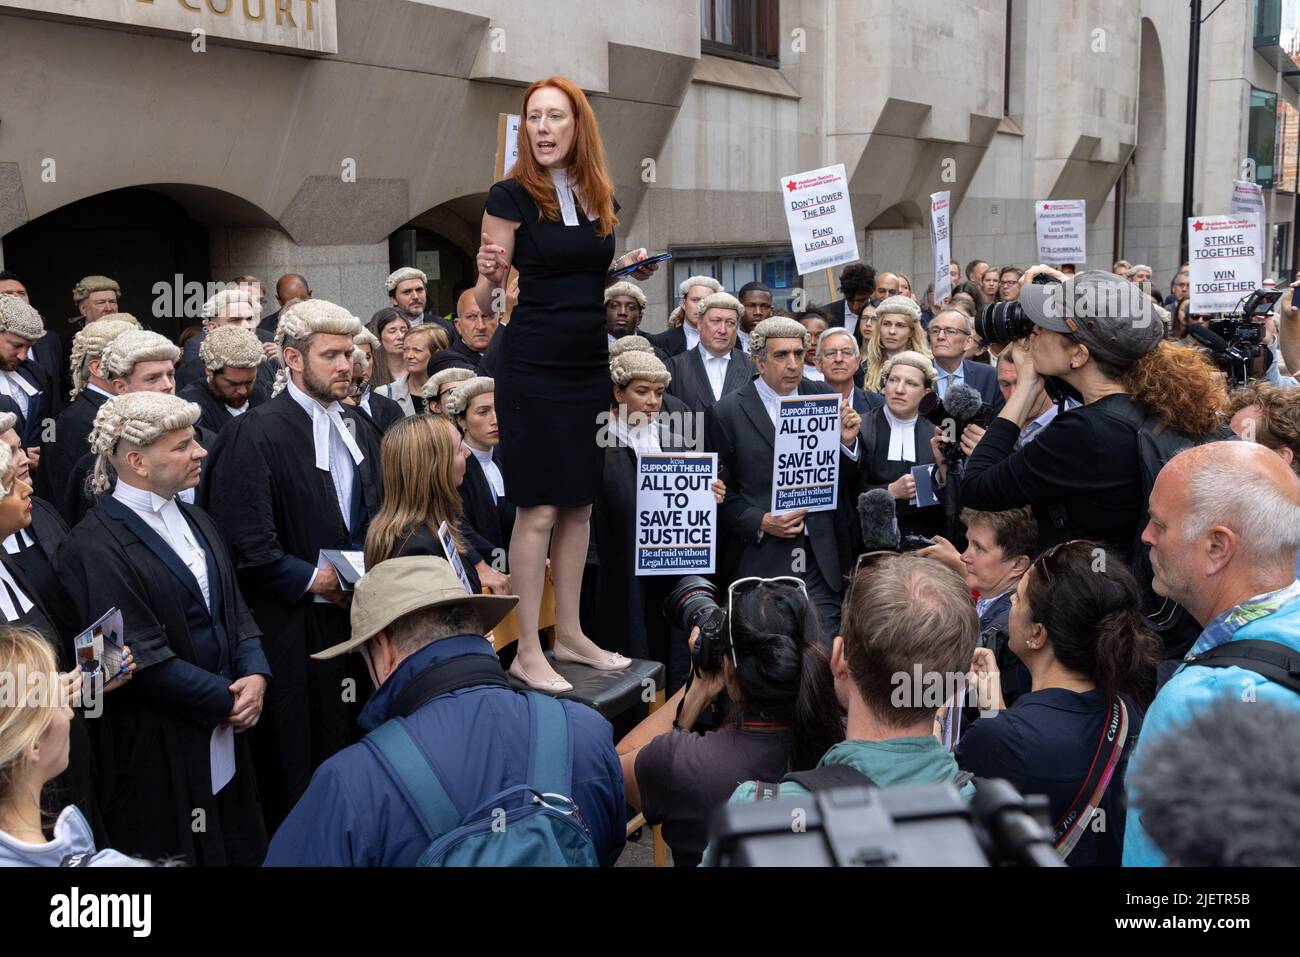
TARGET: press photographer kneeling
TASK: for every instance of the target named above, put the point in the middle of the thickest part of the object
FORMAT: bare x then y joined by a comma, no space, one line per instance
763,650
1083,475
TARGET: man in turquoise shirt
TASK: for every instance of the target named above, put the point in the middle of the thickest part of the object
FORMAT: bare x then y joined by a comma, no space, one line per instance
904,617
1224,530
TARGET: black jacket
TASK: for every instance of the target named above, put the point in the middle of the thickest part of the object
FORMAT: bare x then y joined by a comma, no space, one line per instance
690,381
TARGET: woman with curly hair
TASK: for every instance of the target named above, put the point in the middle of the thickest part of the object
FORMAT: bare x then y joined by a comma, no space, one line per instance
897,329
1082,475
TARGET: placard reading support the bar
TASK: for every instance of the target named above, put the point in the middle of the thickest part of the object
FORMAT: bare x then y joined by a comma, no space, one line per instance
676,514
1062,227
820,220
941,244
1224,256
806,459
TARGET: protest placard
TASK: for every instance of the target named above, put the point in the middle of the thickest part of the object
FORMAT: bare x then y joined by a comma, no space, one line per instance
1062,227
941,244
806,458
507,145
1248,197
820,220
676,514
1224,257
453,557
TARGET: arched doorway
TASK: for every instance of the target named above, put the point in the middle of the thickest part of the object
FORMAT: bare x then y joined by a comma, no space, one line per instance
441,242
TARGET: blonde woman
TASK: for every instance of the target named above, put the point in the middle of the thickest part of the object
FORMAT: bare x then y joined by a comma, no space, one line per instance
897,329
423,461
418,348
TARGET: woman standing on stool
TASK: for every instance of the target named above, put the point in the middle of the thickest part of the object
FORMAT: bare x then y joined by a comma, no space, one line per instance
553,220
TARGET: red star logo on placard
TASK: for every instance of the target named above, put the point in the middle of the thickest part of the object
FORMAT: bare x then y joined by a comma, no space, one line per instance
790,186
1198,225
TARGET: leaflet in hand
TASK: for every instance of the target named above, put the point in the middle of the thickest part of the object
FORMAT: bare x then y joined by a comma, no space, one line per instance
99,649
349,566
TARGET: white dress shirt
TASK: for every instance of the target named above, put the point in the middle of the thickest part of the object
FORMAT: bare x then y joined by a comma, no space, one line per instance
692,335
164,517
812,373
496,481
851,319
91,387
334,446
716,369
19,389
742,341
237,411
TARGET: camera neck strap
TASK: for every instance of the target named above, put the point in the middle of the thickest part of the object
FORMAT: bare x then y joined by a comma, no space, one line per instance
1110,746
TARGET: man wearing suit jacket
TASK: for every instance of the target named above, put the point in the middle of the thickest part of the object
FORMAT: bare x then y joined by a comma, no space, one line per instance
23,384
857,283
230,307
291,287
715,367
407,293
840,362
683,338
741,429
949,332
476,330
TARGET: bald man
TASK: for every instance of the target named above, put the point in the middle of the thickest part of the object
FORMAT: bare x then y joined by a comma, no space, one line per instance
476,330
289,288
886,285
1224,529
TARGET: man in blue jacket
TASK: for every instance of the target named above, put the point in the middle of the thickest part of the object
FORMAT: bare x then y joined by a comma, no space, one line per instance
1225,526
410,615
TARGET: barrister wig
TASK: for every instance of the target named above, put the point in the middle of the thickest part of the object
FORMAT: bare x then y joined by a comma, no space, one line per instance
94,284
873,356
120,356
625,288
719,300
629,344
777,327
585,163
458,402
899,305
707,281
675,317
399,276
7,421
309,318
440,380
139,419
218,305
232,346
20,319
7,472
917,360
360,362
90,342
631,366
366,338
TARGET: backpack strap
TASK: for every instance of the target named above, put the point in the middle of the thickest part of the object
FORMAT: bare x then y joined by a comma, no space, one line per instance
550,758
828,777
408,767
1275,661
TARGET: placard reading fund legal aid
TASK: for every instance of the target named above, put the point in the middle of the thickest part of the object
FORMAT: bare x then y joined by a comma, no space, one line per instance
806,460
820,220
1224,253
676,514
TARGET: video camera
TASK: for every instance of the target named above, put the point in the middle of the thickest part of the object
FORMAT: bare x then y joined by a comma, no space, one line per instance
919,825
1233,343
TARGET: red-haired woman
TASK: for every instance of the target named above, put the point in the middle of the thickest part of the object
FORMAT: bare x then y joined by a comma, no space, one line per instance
553,220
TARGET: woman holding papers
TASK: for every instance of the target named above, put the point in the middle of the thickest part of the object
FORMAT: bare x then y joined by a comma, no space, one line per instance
897,440
175,770
423,462
628,607
553,220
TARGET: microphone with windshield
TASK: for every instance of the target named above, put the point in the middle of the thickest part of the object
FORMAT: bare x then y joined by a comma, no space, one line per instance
878,517
962,406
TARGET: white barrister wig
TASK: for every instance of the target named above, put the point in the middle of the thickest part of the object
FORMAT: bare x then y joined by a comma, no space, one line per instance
91,284
719,300
777,327
366,338
629,344
634,365
232,346
400,276
626,288
360,362
308,318
140,418
19,318
708,281
7,473
440,380
217,306
467,392
120,356
91,341
7,421
899,306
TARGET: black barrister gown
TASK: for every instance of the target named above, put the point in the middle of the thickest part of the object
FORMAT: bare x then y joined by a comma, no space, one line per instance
493,521
277,511
153,738
69,443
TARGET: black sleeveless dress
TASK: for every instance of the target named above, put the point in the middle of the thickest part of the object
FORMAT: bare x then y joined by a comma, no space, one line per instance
552,370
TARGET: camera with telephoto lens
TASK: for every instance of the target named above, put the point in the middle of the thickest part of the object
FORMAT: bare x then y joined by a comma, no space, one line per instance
1006,321
693,603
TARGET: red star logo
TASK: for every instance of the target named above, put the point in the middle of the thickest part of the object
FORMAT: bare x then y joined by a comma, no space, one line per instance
1198,225
790,186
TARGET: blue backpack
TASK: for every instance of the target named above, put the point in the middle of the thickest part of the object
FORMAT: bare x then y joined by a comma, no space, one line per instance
545,830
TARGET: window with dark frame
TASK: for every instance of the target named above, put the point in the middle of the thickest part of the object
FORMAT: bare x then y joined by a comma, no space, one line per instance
741,30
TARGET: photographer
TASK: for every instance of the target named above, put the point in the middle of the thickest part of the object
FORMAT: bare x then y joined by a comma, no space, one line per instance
1075,623
1081,475
784,714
